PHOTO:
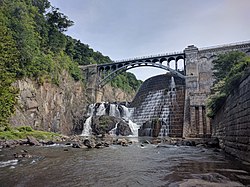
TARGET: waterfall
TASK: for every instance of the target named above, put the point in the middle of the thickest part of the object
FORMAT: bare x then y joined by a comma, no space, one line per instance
125,115
101,110
126,112
87,130
91,110
172,84
157,105
150,107
113,131
134,128
114,111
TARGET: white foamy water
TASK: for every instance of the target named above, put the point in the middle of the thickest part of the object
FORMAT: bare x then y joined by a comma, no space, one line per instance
8,163
87,130
125,115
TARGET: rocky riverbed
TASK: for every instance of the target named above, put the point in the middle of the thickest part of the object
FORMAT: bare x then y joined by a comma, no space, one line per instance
120,161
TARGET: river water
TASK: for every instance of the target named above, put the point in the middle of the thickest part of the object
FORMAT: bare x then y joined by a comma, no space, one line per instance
135,165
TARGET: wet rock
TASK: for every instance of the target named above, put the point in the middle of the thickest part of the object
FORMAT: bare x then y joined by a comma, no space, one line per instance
123,129
108,139
32,141
10,143
76,145
24,151
68,143
65,149
106,144
99,145
49,143
89,143
103,124
156,141
146,142
122,141
213,143
23,154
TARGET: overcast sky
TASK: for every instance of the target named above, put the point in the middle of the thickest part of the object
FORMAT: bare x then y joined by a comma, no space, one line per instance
124,29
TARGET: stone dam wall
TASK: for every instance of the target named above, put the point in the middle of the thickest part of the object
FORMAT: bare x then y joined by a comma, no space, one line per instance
232,122
159,106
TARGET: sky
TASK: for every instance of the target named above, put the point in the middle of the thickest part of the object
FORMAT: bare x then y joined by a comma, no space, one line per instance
123,29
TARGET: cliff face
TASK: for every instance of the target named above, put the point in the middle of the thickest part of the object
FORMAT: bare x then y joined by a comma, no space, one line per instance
56,108
111,94
50,107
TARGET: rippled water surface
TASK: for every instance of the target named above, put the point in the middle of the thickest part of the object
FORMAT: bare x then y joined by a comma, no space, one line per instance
121,166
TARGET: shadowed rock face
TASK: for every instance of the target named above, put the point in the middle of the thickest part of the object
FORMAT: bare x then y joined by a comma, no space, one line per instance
159,106
104,124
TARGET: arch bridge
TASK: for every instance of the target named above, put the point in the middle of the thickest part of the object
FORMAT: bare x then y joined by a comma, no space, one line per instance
106,72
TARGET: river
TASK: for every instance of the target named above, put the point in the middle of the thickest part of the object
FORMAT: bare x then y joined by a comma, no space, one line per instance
135,165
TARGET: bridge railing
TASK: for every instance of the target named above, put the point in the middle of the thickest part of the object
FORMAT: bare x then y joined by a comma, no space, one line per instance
224,45
150,56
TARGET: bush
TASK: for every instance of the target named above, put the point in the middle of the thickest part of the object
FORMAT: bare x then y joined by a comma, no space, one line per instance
24,131
229,70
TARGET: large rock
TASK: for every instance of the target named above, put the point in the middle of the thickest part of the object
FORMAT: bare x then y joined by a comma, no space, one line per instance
103,124
123,129
32,140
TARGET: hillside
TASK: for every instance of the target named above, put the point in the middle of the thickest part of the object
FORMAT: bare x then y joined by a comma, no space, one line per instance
33,45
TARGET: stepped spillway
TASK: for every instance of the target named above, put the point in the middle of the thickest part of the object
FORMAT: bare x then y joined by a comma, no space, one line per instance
159,106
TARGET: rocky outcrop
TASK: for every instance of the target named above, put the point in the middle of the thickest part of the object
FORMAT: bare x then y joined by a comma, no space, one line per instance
102,125
48,106
57,108
111,94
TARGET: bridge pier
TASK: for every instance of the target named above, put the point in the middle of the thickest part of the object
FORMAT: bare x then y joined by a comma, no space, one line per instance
91,75
99,95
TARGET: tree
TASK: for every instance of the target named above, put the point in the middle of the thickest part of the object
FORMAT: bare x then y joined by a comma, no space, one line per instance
229,70
58,20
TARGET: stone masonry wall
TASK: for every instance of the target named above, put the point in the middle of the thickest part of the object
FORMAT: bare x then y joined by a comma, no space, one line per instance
232,122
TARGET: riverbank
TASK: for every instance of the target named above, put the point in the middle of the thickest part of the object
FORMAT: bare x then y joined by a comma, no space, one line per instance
138,164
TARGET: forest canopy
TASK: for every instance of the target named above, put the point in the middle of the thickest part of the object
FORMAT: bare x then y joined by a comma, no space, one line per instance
33,44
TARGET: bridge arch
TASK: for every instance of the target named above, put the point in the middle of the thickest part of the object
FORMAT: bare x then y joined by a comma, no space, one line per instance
134,64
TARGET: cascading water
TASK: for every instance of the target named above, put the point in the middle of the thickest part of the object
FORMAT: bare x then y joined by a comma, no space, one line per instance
154,112
134,128
113,131
114,110
87,127
100,109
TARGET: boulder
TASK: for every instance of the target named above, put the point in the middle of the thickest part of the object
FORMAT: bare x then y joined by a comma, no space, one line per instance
32,141
89,143
123,129
76,145
122,141
103,124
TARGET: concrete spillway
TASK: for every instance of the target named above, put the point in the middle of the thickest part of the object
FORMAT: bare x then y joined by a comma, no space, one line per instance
159,106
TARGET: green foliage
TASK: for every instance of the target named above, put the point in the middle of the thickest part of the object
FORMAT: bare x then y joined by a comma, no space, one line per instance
126,81
24,131
229,69
33,45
